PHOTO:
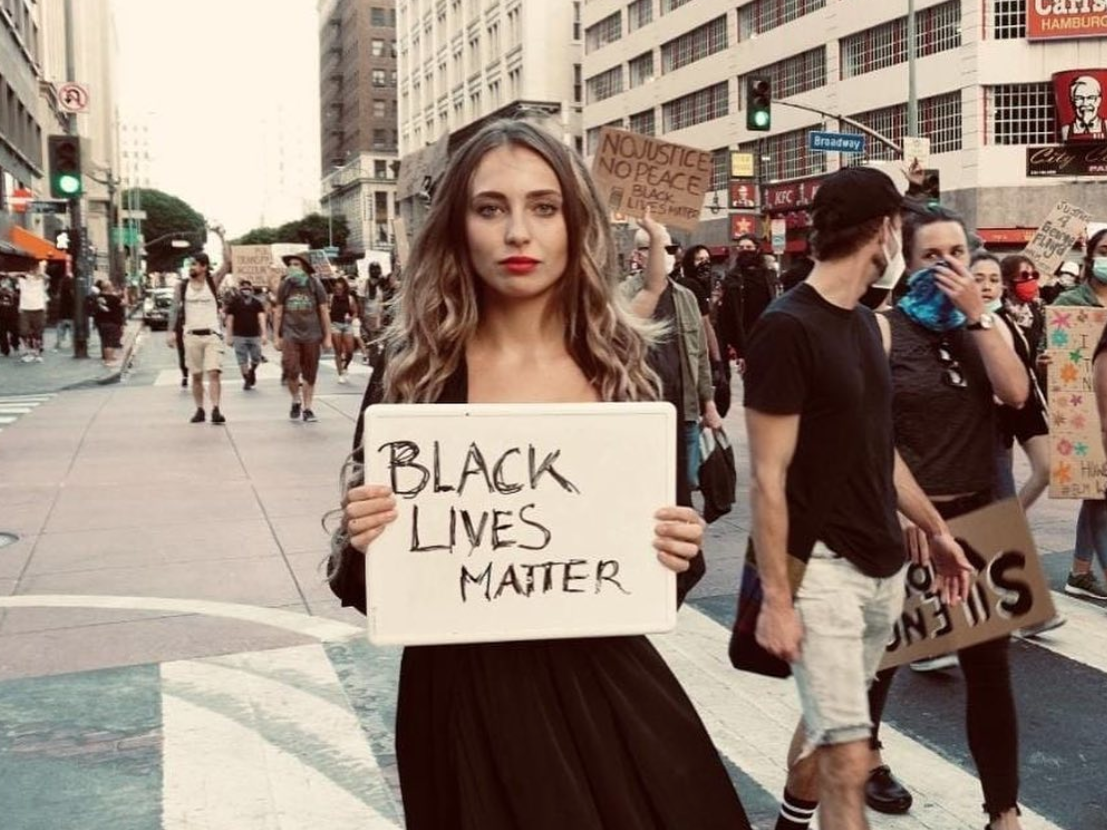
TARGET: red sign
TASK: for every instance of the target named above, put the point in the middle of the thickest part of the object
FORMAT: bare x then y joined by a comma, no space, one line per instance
1080,111
743,223
19,199
792,196
1006,236
743,194
1062,19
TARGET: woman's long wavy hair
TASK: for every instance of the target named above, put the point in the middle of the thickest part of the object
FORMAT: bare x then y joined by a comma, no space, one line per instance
438,306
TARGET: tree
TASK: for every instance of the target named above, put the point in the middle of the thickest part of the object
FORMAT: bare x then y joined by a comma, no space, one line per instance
313,231
167,218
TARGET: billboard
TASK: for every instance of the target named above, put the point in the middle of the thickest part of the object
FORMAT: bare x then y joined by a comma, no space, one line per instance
1080,111
1064,19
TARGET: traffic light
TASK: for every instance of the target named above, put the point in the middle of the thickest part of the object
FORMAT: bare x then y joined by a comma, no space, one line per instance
932,188
66,181
759,103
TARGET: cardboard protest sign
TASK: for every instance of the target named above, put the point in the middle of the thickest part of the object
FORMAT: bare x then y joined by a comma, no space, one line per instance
634,172
403,248
251,262
1054,239
520,522
320,263
1009,592
1077,466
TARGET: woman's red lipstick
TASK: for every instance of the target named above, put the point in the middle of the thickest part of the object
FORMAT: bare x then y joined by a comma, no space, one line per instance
519,264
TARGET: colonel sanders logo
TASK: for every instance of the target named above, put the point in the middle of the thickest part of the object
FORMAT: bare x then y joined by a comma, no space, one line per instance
1080,114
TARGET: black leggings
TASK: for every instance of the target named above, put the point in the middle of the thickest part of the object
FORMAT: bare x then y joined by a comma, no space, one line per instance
991,721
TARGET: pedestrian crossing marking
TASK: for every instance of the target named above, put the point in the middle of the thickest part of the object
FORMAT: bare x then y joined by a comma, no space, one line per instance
13,407
271,371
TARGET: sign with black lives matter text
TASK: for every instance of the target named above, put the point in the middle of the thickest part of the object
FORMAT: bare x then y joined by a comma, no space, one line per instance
1077,464
634,172
1009,591
520,522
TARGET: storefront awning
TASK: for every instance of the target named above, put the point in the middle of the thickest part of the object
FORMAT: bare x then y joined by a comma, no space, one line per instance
36,246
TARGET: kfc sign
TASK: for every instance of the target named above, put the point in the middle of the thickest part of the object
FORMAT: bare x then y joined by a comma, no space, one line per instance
1059,19
1080,113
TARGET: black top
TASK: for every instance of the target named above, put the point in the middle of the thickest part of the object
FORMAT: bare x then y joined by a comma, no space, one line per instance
944,408
552,734
108,310
245,313
811,358
341,308
702,289
747,292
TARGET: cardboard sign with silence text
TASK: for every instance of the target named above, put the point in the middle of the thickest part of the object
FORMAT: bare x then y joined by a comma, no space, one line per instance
1054,239
1077,464
520,521
634,172
1009,592
252,262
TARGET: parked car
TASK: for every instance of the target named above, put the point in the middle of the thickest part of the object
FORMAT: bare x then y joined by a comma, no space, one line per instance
156,308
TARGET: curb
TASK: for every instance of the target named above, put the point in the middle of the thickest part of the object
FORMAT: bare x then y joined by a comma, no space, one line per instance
115,375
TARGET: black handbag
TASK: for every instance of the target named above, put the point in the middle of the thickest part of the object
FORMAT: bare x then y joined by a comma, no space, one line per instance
744,651
718,474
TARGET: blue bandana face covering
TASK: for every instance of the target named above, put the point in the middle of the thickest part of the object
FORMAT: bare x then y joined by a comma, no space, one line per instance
928,306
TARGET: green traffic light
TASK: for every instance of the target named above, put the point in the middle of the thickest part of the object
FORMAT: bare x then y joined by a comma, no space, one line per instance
761,118
69,185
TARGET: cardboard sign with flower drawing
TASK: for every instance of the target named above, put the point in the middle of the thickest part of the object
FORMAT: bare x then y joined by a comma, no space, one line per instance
1078,466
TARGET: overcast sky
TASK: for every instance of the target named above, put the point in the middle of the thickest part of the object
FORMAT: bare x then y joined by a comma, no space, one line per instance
212,74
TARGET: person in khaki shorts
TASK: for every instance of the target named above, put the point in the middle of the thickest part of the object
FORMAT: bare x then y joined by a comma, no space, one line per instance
302,326
198,300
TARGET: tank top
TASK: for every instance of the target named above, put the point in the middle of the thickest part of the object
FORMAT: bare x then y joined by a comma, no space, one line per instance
340,308
942,408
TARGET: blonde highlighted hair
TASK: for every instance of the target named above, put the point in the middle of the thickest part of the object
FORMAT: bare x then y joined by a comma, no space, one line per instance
437,309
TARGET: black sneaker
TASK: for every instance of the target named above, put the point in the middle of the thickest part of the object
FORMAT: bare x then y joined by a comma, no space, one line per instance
199,417
294,413
252,377
309,417
245,384
184,382
217,416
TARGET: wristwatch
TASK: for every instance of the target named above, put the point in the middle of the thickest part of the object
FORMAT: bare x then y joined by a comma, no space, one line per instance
986,321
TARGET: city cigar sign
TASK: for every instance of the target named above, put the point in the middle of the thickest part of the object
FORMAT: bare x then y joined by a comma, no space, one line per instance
1057,19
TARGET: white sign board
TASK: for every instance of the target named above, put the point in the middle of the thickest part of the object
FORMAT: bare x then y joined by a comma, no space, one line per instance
916,153
520,521
73,97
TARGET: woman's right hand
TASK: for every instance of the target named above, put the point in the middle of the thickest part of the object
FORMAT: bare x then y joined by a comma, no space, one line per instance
369,510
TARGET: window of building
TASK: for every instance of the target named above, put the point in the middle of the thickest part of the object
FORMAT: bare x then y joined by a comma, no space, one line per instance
643,122
592,136
515,83
393,76
720,169
380,139
606,84
608,30
668,5
939,120
514,27
1008,19
474,53
765,15
380,78
696,108
493,41
640,69
376,48
379,108
938,29
576,21
380,207
692,46
785,156
494,93
380,169
1020,113
639,13
385,18
578,95
791,76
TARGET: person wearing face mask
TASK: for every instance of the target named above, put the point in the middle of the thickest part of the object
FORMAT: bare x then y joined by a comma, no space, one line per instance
681,359
1091,524
748,290
950,364
245,322
302,329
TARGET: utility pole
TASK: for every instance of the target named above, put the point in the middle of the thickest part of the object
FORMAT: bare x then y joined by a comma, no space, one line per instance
76,214
912,89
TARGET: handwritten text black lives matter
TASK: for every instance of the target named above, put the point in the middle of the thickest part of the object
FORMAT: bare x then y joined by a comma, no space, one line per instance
506,473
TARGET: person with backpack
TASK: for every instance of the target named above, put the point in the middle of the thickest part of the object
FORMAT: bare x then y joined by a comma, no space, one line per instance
302,326
196,306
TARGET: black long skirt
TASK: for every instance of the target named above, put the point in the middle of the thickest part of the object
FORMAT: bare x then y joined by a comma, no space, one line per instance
592,734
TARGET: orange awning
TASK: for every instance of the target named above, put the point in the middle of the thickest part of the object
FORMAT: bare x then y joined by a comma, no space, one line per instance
36,246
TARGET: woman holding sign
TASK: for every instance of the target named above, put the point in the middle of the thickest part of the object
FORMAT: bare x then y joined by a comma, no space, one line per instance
511,297
950,363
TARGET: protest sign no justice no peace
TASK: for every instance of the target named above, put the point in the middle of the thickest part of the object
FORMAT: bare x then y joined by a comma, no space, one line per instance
520,521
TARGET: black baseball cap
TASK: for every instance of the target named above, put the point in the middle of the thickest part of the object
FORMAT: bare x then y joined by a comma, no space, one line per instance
854,195
202,259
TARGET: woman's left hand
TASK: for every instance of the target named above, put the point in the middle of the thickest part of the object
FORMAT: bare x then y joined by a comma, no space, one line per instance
678,537
958,284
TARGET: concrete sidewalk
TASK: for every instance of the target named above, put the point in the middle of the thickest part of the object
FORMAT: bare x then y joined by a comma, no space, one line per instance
60,370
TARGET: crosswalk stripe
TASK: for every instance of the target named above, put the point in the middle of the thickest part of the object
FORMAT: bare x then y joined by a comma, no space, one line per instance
270,371
751,719
1083,638
247,739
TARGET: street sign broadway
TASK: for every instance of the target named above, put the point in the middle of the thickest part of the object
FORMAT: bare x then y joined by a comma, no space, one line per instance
836,142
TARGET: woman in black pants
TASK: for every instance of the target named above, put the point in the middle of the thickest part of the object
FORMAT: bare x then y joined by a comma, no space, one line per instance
949,364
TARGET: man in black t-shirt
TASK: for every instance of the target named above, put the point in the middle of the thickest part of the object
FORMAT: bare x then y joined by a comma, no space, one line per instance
245,325
825,486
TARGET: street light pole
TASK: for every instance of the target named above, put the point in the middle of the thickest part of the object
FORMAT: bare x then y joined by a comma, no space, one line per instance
912,89
76,214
